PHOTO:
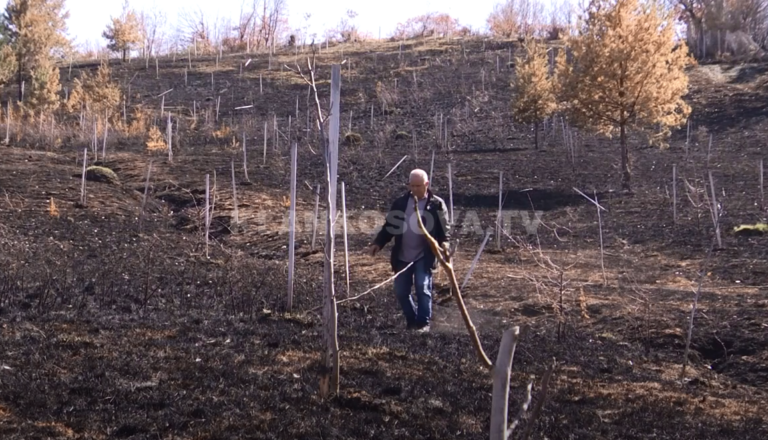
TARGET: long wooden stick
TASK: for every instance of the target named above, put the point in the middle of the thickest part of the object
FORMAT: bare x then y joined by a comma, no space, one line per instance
448,267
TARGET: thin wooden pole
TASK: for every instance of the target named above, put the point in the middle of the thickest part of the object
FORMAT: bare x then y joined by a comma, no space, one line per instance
234,195
292,229
715,211
207,210
8,124
169,134
476,259
144,198
674,194
762,189
395,167
346,242
450,193
498,214
104,144
245,159
602,252
264,160
501,372
431,168
330,315
82,184
314,218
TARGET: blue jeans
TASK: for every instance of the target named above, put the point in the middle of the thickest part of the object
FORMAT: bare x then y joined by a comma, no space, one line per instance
420,275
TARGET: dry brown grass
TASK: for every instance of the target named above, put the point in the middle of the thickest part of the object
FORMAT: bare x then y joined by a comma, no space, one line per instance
155,140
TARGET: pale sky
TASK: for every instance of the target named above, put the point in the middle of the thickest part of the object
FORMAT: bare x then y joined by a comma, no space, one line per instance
88,18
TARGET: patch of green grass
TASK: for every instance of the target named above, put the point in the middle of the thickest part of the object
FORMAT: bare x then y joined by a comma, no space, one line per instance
749,230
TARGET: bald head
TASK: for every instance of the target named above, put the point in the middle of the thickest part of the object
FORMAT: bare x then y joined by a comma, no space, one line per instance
418,182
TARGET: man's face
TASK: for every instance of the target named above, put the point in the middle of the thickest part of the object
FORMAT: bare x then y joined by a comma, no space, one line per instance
418,187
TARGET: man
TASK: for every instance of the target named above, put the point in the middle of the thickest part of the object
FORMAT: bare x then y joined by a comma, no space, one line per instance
411,246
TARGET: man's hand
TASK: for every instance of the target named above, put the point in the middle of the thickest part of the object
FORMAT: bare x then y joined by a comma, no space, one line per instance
372,249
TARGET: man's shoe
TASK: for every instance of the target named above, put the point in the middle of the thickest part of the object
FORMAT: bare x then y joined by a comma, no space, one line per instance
423,329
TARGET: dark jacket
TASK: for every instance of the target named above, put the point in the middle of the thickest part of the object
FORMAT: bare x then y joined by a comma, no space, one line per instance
434,218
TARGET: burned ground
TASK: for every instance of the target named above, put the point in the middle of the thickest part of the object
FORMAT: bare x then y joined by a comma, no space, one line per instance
114,327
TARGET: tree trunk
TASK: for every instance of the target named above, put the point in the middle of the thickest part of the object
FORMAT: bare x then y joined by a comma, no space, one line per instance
329,382
536,134
625,172
125,52
21,82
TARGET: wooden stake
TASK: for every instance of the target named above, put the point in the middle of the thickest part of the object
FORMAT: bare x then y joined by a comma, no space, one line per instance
234,195
450,193
245,160
499,219
314,218
431,168
602,252
82,184
144,198
346,242
600,225
292,230
207,210
330,313
8,125
762,189
501,373
715,212
265,144
674,194
169,135
104,144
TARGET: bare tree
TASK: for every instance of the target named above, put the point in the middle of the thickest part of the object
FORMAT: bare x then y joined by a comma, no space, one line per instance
516,18
710,22
151,27
196,30
270,23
